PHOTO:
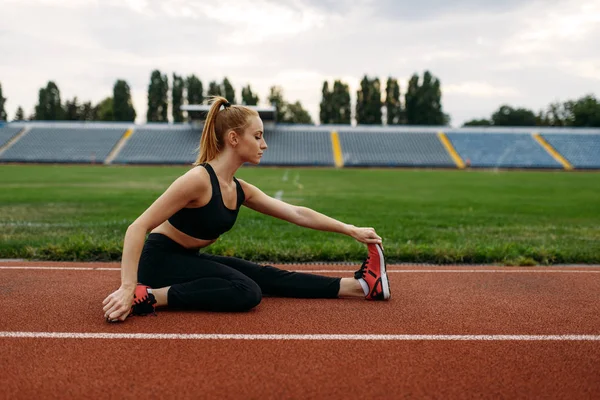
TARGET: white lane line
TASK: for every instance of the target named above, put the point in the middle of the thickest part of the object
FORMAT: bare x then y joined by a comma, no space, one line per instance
416,271
215,336
409,271
279,194
63,268
285,176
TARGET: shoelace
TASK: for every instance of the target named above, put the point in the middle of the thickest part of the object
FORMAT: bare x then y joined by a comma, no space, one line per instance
362,271
139,300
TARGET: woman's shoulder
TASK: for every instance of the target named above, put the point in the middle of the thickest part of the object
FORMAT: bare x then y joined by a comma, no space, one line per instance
248,188
197,176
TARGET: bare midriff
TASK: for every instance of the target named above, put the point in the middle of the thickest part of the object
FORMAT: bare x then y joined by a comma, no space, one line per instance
185,240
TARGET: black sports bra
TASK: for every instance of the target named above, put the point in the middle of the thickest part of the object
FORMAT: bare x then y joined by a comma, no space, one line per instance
213,219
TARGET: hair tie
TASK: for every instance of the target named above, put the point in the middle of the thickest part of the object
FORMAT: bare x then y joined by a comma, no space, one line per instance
227,105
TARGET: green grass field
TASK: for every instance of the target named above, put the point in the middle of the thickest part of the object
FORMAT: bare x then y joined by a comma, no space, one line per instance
53,212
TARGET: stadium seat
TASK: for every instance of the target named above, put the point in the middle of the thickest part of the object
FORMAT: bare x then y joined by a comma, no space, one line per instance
388,148
581,150
501,150
160,145
6,133
64,145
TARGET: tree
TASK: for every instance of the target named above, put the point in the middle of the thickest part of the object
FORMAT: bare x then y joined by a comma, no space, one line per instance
326,105
423,102
158,90
122,105
478,122
72,112
49,106
411,100
276,100
177,96
392,102
557,114
20,115
2,102
508,116
195,91
228,91
286,112
368,102
105,110
585,111
340,103
214,89
431,100
249,98
296,114
89,113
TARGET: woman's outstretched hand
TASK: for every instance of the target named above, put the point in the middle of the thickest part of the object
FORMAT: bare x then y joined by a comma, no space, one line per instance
366,235
118,304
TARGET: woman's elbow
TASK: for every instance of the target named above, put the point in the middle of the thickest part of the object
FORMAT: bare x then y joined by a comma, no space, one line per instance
137,227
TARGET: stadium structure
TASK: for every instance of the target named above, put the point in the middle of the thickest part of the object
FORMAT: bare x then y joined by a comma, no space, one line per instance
339,146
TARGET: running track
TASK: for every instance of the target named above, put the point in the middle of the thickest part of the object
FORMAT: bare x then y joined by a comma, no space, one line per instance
448,332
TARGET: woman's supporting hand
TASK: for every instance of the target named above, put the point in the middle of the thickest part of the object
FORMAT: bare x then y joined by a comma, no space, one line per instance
366,235
118,304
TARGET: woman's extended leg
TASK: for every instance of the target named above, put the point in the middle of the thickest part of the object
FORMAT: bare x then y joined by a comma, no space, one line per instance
278,282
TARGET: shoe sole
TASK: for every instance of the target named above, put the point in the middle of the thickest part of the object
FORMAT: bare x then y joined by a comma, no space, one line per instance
385,283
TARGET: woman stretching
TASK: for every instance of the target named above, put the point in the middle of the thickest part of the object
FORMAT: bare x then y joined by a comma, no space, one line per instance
167,269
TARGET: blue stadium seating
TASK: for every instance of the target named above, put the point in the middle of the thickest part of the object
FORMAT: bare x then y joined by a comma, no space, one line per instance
64,145
581,150
501,150
6,133
161,145
302,145
386,148
290,146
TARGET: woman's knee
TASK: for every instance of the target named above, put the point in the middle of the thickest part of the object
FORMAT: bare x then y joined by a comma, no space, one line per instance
249,296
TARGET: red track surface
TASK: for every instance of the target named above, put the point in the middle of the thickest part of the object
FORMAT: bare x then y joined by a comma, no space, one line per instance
431,303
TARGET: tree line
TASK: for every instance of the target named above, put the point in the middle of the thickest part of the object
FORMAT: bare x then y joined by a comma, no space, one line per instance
422,104
119,107
582,112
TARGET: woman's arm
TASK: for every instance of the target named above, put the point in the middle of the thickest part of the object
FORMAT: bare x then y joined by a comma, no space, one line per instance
183,190
257,200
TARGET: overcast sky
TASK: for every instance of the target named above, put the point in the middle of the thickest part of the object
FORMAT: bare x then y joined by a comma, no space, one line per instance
486,53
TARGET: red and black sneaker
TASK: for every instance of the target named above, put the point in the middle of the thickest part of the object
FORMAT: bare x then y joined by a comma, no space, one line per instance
143,301
372,275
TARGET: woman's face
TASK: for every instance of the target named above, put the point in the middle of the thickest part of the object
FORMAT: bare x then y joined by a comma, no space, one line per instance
252,143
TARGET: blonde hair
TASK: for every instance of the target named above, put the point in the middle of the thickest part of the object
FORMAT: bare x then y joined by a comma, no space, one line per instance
218,122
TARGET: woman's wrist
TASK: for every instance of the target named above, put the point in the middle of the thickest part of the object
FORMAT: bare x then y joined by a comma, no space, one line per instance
128,285
350,230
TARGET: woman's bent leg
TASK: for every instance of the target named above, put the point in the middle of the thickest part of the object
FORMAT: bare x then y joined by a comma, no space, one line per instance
215,294
195,282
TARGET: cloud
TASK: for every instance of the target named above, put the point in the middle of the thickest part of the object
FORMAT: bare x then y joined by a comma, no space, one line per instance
260,21
479,89
484,53
588,69
543,30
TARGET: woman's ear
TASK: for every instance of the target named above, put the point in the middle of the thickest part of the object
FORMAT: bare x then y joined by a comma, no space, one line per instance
233,138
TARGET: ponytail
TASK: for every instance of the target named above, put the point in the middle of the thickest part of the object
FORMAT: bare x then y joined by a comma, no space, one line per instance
218,122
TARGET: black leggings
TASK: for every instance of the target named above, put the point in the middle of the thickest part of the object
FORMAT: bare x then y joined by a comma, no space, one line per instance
201,281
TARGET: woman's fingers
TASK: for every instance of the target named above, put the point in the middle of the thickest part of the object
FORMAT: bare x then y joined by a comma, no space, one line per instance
109,305
115,309
118,312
